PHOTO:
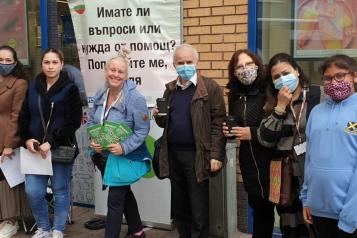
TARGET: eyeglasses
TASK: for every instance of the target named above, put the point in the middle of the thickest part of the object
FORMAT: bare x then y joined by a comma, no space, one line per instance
250,64
337,77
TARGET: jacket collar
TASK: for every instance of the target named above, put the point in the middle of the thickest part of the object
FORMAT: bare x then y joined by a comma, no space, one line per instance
201,90
249,92
8,83
41,85
128,86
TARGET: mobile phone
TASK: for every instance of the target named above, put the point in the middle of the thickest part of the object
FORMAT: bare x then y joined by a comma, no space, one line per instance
36,146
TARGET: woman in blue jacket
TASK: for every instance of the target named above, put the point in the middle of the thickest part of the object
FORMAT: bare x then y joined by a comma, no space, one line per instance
329,192
119,101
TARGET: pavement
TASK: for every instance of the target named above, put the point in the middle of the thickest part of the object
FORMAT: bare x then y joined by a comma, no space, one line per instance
82,215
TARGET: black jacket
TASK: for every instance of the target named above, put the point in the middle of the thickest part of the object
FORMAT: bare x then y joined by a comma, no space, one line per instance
66,116
254,159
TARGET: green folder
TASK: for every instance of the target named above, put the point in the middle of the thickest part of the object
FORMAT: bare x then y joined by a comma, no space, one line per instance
109,133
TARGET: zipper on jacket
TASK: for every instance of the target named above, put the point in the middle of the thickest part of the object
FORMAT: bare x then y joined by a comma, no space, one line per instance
48,122
250,145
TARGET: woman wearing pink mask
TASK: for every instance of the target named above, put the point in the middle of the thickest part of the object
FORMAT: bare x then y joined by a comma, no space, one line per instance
329,193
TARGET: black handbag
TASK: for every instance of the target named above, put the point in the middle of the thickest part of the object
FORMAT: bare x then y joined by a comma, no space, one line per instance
156,157
62,154
99,161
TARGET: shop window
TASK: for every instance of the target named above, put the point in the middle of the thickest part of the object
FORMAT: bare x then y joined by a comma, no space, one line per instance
310,30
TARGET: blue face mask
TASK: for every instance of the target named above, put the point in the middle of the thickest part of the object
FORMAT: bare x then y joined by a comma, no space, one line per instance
186,71
6,69
290,80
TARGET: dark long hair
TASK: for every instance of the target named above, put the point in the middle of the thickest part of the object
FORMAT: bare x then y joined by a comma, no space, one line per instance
272,92
19,70
234,85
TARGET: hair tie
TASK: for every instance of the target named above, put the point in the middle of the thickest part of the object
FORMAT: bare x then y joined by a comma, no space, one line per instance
124,53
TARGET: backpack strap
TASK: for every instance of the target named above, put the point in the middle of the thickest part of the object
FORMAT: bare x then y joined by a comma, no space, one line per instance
314,98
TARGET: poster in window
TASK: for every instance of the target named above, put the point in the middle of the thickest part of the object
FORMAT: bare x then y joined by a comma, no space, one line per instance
325,27
13,27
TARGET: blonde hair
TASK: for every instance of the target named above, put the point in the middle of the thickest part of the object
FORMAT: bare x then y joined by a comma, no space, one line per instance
123,56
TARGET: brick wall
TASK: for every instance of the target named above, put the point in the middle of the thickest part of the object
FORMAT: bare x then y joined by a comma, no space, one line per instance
217,28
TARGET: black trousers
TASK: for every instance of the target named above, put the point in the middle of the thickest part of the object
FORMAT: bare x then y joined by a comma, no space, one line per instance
121,201
189,199
328,228
263,216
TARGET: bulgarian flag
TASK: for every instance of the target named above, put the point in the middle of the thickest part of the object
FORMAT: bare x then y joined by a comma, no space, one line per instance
78,6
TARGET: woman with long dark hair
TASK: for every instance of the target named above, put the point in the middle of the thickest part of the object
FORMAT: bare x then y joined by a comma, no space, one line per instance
290,100
13,85
246,99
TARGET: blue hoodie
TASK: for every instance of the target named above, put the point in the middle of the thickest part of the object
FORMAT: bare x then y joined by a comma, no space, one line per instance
330,182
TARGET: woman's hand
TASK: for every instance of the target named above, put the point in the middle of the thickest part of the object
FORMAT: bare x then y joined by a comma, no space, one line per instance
225,130
96,147
242,133
30,145
215,165
307,215
155,111
43,149
7,152
284,98
116,149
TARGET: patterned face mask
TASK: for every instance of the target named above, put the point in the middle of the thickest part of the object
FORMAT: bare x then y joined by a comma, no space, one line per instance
247,76
338,91
6,69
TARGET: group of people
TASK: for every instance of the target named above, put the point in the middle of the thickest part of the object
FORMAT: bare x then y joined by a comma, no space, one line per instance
279,115
281,119
52,99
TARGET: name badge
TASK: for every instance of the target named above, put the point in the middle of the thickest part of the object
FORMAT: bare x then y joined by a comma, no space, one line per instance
300,148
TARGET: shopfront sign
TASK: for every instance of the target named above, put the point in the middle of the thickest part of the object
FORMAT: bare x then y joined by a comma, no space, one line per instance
149,29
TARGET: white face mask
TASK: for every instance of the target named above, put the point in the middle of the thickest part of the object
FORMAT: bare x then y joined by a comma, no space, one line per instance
247,76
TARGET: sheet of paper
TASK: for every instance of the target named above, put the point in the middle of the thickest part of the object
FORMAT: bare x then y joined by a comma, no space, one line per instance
11,169
34,164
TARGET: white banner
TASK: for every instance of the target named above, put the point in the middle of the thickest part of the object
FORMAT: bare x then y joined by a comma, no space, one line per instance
150,29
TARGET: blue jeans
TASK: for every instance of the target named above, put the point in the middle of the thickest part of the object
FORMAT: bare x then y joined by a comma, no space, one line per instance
36,187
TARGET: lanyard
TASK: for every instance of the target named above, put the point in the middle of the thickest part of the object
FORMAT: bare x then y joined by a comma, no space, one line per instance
105,111
298,119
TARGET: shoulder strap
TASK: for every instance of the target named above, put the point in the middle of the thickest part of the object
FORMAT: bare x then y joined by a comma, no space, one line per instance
45,127
314,99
